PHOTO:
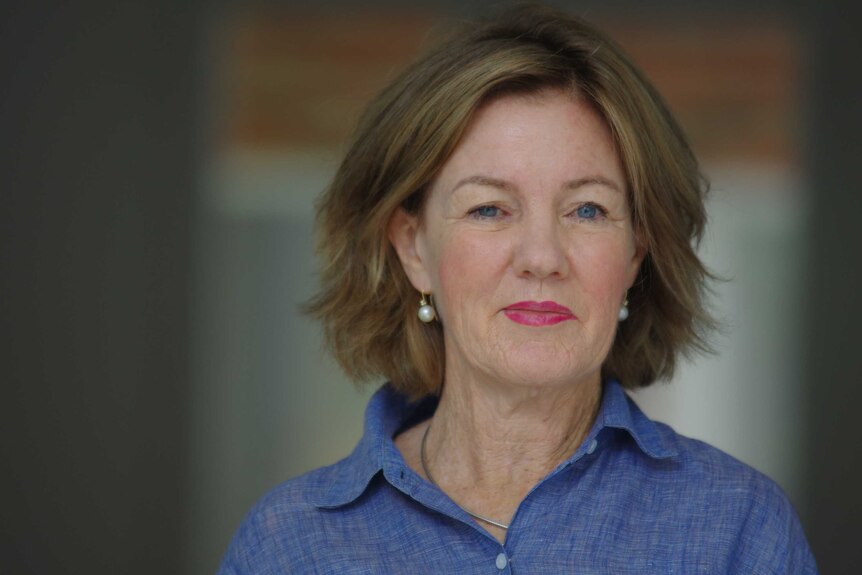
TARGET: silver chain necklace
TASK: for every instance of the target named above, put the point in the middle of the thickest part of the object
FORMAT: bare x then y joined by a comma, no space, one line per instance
431,479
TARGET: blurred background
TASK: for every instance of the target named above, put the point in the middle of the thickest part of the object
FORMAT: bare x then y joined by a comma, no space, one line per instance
159,170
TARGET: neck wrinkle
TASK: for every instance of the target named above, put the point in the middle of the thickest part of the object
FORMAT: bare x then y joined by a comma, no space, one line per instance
489,440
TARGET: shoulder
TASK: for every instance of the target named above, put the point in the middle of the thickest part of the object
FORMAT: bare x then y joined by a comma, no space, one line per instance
291,498
709,466
272,531
736,503
681,462
295,527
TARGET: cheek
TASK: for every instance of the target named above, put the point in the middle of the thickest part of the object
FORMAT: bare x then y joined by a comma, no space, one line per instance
468,268
603,268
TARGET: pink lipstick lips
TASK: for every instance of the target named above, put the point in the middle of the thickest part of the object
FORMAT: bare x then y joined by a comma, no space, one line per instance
538,313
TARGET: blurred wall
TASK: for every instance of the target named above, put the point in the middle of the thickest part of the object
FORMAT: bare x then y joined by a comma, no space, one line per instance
833,306
97,172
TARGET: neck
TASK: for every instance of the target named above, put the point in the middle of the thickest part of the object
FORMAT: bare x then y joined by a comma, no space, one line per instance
487,447
505,437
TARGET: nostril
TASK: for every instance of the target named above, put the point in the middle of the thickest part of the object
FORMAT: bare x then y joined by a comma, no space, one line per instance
541,261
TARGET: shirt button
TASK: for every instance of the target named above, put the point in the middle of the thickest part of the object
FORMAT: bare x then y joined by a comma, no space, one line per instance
501,561
592,446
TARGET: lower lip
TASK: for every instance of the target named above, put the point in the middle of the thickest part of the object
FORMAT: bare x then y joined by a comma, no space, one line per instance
536,318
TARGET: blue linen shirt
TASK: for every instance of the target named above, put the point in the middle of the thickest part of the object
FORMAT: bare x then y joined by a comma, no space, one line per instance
634,498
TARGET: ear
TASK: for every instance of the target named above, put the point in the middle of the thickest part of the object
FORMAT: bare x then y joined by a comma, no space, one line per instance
405,237
636,261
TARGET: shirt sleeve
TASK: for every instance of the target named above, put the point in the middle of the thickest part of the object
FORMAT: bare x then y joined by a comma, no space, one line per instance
772,540
245,547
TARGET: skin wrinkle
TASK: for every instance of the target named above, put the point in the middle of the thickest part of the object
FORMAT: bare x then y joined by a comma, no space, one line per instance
518,400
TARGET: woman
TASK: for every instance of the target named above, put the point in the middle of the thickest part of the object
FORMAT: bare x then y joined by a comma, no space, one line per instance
509,241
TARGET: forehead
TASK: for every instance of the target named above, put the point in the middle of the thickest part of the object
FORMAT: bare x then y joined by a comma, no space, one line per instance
536,139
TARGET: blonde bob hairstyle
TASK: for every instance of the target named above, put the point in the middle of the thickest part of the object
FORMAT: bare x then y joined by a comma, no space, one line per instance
366,303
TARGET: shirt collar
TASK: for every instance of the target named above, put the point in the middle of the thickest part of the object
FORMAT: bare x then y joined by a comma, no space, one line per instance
619,411
388,411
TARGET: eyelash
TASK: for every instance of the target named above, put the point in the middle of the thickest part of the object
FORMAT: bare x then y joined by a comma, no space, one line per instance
475,212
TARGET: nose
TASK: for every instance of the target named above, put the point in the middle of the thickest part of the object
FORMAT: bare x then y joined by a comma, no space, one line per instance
540,250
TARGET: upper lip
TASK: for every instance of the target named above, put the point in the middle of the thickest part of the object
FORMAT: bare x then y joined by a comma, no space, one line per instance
546,306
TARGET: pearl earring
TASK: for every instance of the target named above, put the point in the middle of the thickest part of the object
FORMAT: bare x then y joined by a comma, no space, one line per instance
426,312
624,309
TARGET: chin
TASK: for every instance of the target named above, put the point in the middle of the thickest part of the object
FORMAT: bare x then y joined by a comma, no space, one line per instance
539,370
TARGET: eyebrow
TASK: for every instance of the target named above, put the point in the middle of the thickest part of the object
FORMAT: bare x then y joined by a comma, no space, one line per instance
592,181
480,180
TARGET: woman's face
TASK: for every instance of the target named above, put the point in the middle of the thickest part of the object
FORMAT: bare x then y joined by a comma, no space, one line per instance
526,243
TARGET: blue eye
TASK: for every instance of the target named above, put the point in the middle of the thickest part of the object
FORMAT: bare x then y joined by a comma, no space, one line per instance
588,212
486,212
